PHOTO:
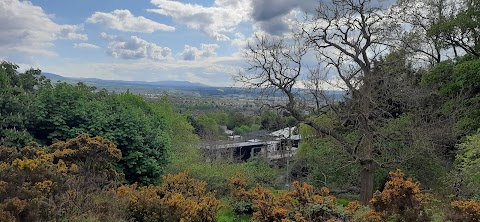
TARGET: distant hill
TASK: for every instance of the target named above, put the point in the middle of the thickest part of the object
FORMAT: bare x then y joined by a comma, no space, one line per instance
56,77
177,87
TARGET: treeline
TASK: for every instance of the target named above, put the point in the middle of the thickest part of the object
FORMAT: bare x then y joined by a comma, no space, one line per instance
209,125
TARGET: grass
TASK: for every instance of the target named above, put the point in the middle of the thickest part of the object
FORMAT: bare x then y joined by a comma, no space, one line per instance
343,202
226,215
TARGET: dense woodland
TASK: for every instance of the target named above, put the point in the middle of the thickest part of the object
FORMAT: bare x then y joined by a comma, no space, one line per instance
402,145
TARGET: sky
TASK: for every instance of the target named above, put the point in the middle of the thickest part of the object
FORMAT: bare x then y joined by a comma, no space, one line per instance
186,40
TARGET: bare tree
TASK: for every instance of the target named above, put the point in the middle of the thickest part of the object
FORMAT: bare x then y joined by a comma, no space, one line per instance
275,66
347,36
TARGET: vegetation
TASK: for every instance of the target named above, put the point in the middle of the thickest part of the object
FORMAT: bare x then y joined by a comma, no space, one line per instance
411,101
69,179
178,198
398,112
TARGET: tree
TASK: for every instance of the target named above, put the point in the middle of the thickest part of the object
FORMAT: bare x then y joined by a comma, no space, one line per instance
350,41
134,125
348,37
420,17
436,29
19,107
456,85
275,67
462,29
206,127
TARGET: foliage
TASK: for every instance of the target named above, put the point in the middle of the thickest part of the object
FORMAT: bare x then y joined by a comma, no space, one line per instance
19,107
227,215
64,180
352,207
187,157
270,120
303,203
467,172
175,121
457,81
460,30
135,126
370,216
468,211
244,129
237,119
216,174
178,198
33,109
313,162
403,145
206,127
402,198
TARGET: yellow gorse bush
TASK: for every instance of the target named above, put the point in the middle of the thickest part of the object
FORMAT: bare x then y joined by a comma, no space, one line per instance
468,211
304,203
178,198
45,183
402,198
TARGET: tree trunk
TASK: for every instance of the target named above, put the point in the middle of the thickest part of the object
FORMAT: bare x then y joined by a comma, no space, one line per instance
366,182
367,146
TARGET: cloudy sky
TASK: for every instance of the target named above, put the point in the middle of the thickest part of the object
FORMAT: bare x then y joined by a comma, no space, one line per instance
193,40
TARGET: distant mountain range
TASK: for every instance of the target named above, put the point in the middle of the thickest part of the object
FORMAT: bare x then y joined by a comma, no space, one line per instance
143,87
175,87
56,77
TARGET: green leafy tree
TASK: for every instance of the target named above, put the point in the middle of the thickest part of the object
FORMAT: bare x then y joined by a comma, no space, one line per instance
206,127
467,172
272,121
462,30
140,132
134,125
19,106
456,84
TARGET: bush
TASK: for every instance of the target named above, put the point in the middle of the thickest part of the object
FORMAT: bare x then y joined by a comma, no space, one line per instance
467,168
464,211
178,198
66,180
303,203
242,207
401,198
370,216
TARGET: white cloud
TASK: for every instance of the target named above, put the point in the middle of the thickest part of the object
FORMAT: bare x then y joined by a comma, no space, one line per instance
215,21
205,51
124,20
85,45
28,29
69,32
134,48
